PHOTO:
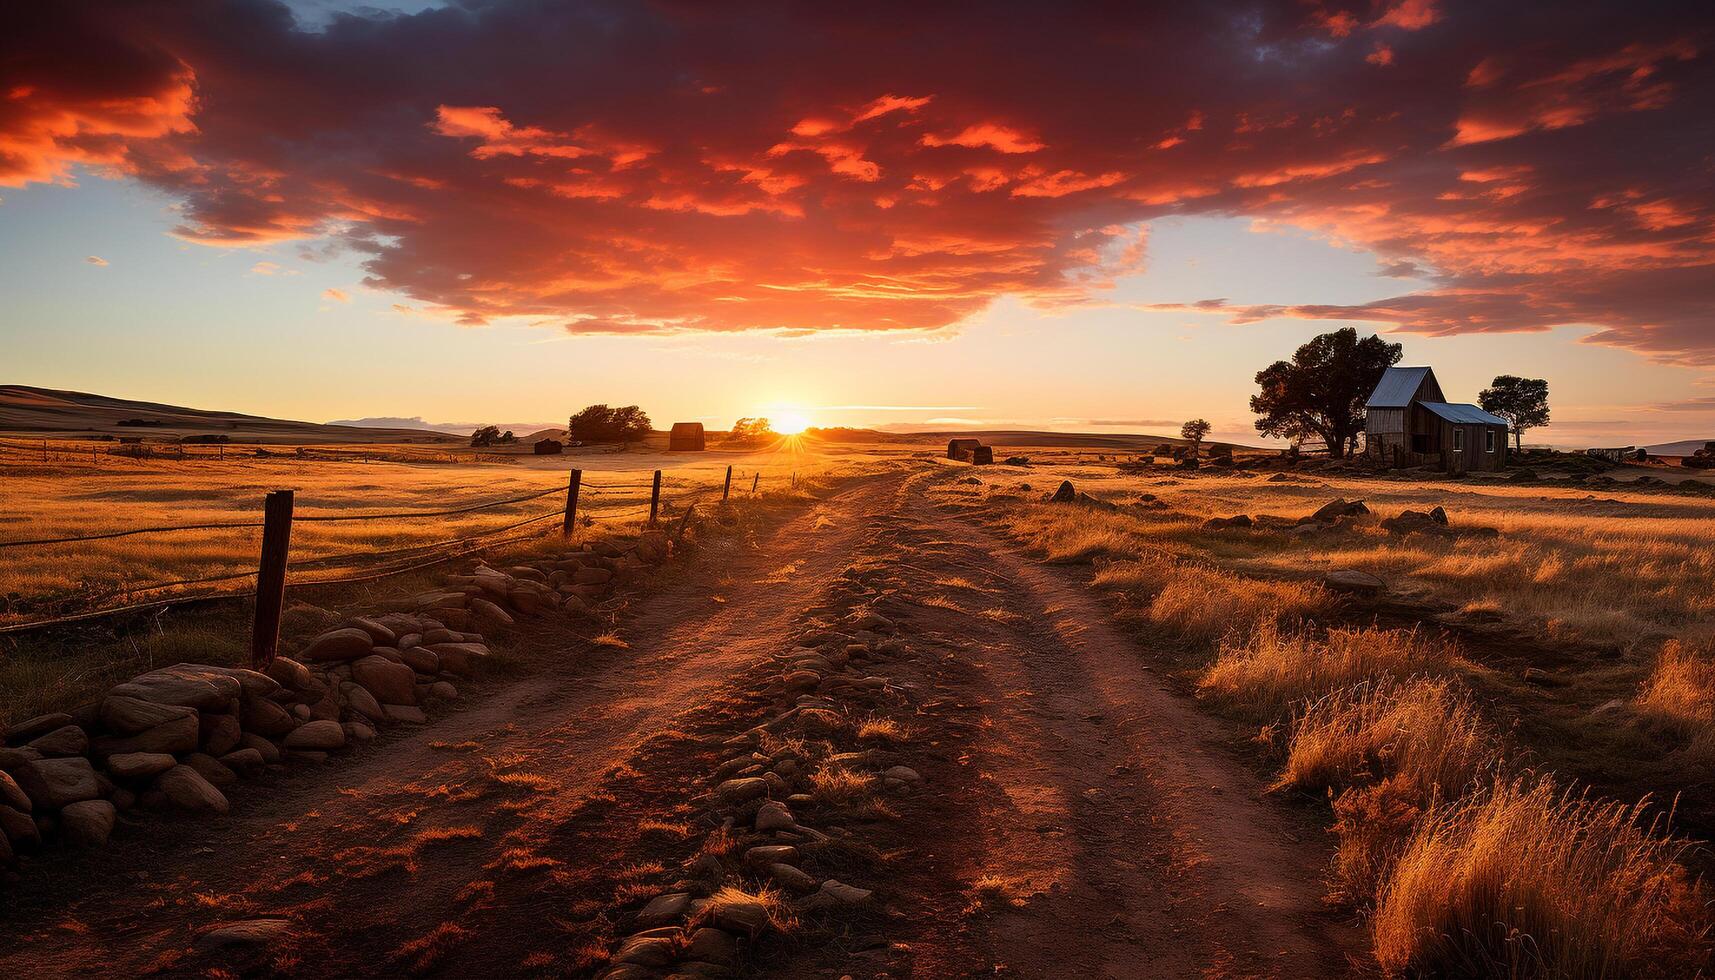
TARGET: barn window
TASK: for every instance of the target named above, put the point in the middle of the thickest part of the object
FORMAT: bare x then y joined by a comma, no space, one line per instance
1459,439
1488,440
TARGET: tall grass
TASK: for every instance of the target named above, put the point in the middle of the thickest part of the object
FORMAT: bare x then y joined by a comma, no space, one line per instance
1270,671
1526,879
1679,693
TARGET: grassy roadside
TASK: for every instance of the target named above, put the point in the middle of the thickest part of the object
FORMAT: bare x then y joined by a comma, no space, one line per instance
1462,850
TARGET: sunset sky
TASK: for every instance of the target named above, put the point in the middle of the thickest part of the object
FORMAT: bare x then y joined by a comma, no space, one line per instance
1031,215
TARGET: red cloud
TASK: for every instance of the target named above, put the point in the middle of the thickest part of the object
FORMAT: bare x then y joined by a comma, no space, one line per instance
625,168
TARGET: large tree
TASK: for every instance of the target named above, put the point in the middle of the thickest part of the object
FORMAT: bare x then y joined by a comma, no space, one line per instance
1323,388
1523,402
600,423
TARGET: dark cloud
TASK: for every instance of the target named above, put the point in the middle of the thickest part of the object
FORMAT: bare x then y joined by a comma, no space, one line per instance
622,167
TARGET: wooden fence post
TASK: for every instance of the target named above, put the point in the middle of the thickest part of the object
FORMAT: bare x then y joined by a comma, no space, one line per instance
655,499
754,481
572,488
727,489
271,578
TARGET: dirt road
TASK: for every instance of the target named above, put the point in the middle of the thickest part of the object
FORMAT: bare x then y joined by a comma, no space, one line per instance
1076,818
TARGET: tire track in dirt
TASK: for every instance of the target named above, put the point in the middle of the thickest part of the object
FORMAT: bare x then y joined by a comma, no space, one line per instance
441,838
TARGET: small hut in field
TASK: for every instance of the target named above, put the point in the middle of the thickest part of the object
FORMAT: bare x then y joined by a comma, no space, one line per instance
962,448
1408,422
686,437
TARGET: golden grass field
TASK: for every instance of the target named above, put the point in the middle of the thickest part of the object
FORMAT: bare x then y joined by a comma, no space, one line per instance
1464,758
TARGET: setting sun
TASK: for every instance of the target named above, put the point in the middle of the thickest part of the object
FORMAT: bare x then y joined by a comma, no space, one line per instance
790,423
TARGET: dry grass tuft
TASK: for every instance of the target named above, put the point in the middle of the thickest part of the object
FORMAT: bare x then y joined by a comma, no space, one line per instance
882,729
1528,880
609,640
839,786
1273,671
775,904
421,954
1679,693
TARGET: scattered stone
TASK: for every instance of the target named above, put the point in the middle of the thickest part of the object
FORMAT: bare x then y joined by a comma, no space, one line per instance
189,685
1065,495
745,916
421,660
250,683
490,614
768,854
836,894
56,783
664,909
268,750
405,713
459,657
791,877
265,717
1353,582
220,734
444,691
361,701
904,774
243,760
68,740
291,673
186,789
379,634
339,645
11,759
741,790
654,948
87,824
32,728
211,769
1335,509
357,731
20,829
316,736
774,815
1221,523
140,765
713,946
250,932
391,683
129,716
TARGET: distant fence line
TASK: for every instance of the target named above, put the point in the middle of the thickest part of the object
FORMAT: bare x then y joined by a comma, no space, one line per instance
271,573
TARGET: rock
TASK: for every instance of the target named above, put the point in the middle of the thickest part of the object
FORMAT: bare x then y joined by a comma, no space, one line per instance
265,717
654,948
211,769
1526,476
1335,509
243,761
291,673
874,622
11,759
250,932
391,683
268,750
713,946
36,727
189,685
139,765
129,716
745,916
220,733
357,731
591,575
767,854
339,645
20,829
361,701
1220,523
443,691
460,658
488,614
774,815
791,878
175,737
69,740
52,784
186,789
836,894
421,660
1065,495
1439,516
87,824
801,680
379,634
664,909
251,683
904,774
12,795
1353,582
405,713
735,791
316,736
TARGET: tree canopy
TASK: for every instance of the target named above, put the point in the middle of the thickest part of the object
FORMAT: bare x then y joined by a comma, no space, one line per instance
600,423
1194,432
751,431
487,435
1322,390
1523,402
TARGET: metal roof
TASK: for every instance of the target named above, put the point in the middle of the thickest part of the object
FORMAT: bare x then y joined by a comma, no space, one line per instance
1396,387
1470,414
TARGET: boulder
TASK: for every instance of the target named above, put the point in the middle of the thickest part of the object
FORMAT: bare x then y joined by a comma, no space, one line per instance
55,783
1220,523
745,916
188,685
338,646
664,909
767,854
422,660
250,932
269,752
717,946
129,716
404,713
19,829
243,761
791,878
460,658
488,614
36,727
1065,495
12,795
265,717
211,769
185,788
836,894
68,740
740,790
220,733
87,824
250,682
591,575
380,634
774,815
11,759
391,683
442,690
1335,509
139,765
175,737
316,736
358,698
1353,582
291,673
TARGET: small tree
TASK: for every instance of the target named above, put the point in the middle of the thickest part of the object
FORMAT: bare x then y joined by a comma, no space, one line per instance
1322,390
1194,432
751,431
507,438
1523,402
630,423
485,436
599,423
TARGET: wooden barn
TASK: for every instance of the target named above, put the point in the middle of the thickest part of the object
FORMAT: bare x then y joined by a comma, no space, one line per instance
686,437
1410,423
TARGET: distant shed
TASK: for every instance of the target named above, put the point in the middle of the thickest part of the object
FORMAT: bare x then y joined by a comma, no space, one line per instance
686,437
962,448
1409,421
549,447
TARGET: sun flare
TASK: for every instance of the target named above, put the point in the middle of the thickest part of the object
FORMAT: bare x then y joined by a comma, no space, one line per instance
790,423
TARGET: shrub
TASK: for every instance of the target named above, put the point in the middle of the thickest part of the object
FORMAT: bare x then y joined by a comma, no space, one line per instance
1527,880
